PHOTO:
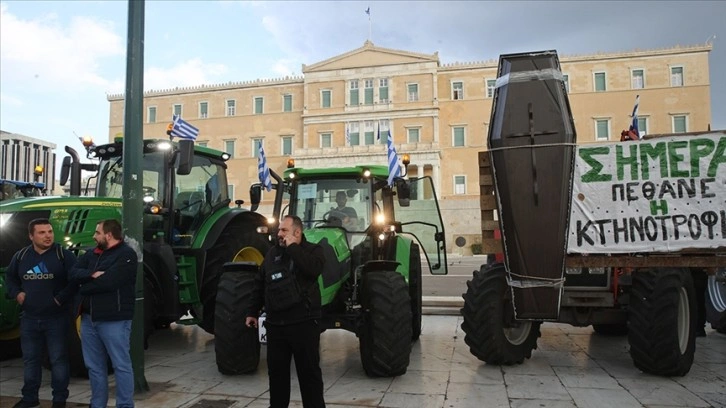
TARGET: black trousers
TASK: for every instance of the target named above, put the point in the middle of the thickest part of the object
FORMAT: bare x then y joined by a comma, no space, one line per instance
301,341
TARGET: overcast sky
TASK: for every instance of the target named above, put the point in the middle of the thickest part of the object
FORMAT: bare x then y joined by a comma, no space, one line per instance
59,59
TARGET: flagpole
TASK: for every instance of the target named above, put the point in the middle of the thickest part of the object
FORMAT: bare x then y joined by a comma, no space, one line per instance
369,23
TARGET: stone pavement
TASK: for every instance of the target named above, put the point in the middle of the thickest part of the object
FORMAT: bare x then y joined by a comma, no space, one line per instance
571,368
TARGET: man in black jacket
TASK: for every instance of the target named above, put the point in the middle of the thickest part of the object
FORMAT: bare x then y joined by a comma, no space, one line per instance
37,278
287,287
108,277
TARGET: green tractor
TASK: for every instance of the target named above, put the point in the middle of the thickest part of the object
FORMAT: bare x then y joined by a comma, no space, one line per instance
371,282
190,230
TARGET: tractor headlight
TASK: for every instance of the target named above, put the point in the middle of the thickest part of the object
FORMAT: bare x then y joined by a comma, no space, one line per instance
5,218
380,219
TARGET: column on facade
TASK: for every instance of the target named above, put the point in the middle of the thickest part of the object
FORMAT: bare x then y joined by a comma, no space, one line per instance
435,177
419,174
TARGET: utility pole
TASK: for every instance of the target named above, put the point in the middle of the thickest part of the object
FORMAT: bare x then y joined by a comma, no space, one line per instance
132,211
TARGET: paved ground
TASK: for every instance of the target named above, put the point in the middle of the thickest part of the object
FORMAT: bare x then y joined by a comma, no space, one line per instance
572,368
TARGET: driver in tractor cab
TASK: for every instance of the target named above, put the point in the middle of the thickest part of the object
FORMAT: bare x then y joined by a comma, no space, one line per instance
348,215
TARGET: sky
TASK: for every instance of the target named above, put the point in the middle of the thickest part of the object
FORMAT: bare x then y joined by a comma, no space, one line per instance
60,59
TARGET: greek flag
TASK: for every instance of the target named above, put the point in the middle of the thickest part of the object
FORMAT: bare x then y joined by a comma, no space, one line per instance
183,129
347,134
394,169
634,125
368,11
262,170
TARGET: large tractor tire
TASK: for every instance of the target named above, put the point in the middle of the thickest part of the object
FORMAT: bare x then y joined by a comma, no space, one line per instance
235,244
492,332
415,290
10,344
385,338
663,315
236,346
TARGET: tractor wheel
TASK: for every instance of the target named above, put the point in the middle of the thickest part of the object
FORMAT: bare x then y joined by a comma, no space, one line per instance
236,346
149,311
663,321
235,244
492,332
75,354
385,338
415,290
611,329
10,344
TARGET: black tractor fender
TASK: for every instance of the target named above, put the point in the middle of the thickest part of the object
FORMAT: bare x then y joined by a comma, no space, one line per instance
379,266
161,270
235,216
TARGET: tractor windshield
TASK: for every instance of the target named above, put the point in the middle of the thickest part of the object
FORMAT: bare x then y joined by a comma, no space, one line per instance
110,183
333,202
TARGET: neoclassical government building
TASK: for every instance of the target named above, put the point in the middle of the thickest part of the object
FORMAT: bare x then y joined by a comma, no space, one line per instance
438,113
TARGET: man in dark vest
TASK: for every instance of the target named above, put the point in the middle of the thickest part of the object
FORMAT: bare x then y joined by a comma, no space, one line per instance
287,287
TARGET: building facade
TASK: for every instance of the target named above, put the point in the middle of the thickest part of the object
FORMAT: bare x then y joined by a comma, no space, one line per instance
20,155
331,116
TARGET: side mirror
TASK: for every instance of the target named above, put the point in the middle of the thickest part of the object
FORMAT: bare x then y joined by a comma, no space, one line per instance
186,157
255,196
403,191
65,170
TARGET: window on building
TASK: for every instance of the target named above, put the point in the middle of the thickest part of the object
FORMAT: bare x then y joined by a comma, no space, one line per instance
231,107
230,191
459,136
326,140
370,132
259,105
229,148
354,101
177,109
491,83
203,110
457,89
354,128
287,103
680,124
413,135
602,129
566,80
325,98
202,144
384,127
412,92
642,126
676,76
287,145
368,92
383,90
637,79
256,143
459,184
151,114
600,82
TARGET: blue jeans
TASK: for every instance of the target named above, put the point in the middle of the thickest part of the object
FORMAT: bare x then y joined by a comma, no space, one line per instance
112,339
35,335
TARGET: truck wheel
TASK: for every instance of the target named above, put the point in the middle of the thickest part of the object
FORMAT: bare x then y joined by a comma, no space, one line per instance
612,329
149,310
663,321
492,332
235,244
385,338
415,290
716,301
236,346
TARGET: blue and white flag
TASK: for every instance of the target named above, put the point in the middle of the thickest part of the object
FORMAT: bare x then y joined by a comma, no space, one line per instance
347,134
394,169
634,125
262,170
368,11
183,129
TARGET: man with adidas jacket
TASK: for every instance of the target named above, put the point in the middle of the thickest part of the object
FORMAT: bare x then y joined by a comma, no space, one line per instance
37,278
